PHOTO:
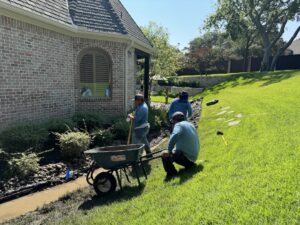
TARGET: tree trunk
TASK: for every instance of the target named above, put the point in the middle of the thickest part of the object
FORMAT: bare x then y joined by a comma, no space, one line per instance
274,61
265,65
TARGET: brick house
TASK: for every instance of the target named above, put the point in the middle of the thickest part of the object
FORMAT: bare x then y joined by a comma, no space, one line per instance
58,57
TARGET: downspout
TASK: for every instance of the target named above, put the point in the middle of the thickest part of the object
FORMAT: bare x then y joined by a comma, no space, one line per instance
126,75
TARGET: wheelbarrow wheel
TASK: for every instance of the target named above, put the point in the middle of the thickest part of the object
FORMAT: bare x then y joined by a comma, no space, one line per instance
105,183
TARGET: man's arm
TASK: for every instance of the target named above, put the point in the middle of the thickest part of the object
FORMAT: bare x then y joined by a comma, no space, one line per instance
190,110
174,137
170,112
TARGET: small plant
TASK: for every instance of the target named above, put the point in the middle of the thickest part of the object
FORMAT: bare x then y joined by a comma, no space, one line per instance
20,138
57,126
88,120
120,128
24,165
72,144
102,138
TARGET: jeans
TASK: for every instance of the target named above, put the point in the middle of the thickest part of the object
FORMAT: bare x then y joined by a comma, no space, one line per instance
179,158
139,136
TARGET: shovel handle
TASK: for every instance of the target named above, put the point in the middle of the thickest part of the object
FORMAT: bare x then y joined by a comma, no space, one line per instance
130,133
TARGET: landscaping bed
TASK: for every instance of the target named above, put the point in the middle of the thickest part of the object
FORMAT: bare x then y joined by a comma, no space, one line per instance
54,169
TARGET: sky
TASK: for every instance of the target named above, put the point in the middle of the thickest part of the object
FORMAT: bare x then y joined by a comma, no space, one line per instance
182,18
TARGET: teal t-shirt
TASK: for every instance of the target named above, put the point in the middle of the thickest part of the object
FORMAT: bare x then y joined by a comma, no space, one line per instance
186,140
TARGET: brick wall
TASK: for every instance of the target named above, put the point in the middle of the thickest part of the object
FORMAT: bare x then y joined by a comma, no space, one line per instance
131,77
36,73
39,74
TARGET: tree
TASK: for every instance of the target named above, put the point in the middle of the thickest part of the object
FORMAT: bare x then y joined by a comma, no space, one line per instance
209,52
167,59
236,25
269,18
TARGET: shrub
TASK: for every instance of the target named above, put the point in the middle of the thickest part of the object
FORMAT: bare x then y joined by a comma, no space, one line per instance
120,128
20,138
57,126
102,138
24,165
3,163
72,144
88,120
179,83
157,117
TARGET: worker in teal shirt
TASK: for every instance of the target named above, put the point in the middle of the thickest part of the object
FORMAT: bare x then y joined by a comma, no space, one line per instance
181,104
183,147
141,126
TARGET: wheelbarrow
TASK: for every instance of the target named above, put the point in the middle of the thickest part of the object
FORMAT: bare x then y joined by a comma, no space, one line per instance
116,160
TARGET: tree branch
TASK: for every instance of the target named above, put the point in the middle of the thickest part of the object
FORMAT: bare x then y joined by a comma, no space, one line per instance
280,32
291,40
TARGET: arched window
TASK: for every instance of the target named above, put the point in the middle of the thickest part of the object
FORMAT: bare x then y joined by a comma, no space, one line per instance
95,74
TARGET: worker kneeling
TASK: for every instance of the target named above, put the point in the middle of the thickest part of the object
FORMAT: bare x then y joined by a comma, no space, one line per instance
185,137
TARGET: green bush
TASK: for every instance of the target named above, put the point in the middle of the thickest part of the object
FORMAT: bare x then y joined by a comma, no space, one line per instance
120,128
88,120
72,144
24,165
179,83
20,138
4,157
157,117
59,125
102,138
54,126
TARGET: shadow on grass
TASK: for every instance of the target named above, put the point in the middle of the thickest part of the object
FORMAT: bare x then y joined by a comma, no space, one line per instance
147,167
268,78
186,174
121,195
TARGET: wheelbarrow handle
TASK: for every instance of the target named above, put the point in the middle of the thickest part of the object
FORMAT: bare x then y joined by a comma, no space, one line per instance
151,156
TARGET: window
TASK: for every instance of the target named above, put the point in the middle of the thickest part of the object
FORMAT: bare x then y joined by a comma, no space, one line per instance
95,73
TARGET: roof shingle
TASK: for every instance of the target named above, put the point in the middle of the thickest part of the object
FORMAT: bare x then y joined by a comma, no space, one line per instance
108,16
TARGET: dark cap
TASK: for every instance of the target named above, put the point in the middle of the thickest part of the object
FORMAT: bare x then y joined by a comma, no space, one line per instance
184,95
178,117
139,97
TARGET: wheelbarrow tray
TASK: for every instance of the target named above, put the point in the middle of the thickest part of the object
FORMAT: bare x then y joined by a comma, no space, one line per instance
113,157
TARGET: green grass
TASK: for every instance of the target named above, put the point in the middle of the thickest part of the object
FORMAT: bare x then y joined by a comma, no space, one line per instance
162,99
253,180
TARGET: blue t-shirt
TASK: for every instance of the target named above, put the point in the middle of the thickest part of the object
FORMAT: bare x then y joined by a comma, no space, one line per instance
178,105
141,115
186,140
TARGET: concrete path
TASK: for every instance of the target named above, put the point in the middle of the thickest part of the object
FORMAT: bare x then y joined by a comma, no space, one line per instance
29,203
20,206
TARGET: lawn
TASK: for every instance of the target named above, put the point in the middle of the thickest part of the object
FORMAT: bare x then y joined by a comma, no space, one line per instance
162,99
253,180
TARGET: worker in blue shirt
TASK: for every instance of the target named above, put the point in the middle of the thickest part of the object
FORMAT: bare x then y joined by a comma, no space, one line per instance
141,126
183,147
181,104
